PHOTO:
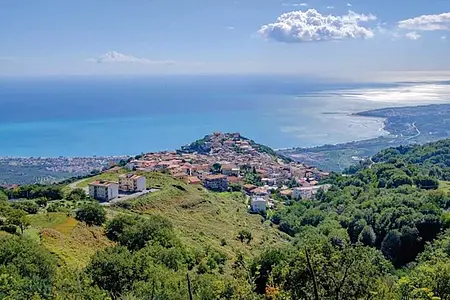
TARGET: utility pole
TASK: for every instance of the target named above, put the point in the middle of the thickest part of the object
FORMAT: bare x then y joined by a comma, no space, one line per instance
189,286
311,270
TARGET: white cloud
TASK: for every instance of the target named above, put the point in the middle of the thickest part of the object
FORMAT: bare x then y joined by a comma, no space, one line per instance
116,57
231,28
412,35
294,4
427,22
444,37
349,4
330,7
311,26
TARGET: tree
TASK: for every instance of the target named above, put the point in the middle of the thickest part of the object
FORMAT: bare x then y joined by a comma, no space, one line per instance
136,232
116,227
91,214
367,236
28,206
113,270
245,235
216,168
18,218
391,247
26,269
76,194
41,201
426,182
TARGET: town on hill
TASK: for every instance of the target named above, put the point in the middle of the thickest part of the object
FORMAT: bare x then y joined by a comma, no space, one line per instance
223,161
380,232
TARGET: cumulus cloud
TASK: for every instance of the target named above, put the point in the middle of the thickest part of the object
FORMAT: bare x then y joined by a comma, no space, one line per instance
311,26
349,4
412,35
427,22
116,57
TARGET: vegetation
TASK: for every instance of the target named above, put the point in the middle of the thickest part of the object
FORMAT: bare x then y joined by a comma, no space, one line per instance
380,233
91,214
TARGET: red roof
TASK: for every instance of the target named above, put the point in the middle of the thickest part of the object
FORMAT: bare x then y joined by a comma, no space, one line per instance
215,177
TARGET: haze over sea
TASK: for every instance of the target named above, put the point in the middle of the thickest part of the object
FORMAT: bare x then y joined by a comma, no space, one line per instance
85,116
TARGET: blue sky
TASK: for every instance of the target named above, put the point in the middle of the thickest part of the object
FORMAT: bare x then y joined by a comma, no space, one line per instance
335,38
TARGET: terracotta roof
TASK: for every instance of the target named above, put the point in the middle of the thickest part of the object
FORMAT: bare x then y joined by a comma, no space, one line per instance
215,177
133,176
193,180
249,186
234,179
102,183
286,192
259,191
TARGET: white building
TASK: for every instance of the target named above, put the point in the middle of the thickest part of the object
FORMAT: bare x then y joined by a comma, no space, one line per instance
308,192
104,190
132,183
258,204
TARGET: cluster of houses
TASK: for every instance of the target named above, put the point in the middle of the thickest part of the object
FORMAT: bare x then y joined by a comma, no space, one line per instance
104,190
260,196
235,155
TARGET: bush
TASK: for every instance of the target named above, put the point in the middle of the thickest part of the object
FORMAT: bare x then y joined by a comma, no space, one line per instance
91,214
28,206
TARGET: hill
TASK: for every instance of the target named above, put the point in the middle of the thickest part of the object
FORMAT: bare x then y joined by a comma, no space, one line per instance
230,142
380,232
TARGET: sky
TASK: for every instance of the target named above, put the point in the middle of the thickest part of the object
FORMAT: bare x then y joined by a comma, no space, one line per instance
328,38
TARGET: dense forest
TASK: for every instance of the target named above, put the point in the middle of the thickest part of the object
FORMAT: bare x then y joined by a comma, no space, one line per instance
379,233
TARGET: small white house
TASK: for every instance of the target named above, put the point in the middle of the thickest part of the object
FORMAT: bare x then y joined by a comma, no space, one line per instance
104,190
308,192
258,204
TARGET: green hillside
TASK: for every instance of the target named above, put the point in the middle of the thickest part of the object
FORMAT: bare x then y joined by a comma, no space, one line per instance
380,233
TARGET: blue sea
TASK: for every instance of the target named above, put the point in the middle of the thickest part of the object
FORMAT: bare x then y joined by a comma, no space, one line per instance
85,116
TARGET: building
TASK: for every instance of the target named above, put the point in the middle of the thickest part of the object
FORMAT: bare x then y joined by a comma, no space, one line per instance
193,180
258,204
218,183
104,190
259,192
132,183
308,192
230,170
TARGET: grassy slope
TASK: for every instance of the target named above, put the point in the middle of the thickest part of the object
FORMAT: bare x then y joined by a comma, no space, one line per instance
203,218
113,176
73,242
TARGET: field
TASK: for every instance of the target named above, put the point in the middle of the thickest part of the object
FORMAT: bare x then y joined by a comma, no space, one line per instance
205,218
72,241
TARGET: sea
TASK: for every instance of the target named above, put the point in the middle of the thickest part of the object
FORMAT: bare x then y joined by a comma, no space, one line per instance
103,116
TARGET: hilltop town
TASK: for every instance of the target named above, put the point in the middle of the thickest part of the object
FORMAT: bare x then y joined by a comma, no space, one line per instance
229,161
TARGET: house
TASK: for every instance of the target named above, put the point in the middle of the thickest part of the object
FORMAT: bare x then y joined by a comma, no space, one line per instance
258,204
230,170
193,180
132,183
287,193
218,183
234,179
259,192
104,190
308,192
248,187
181,176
